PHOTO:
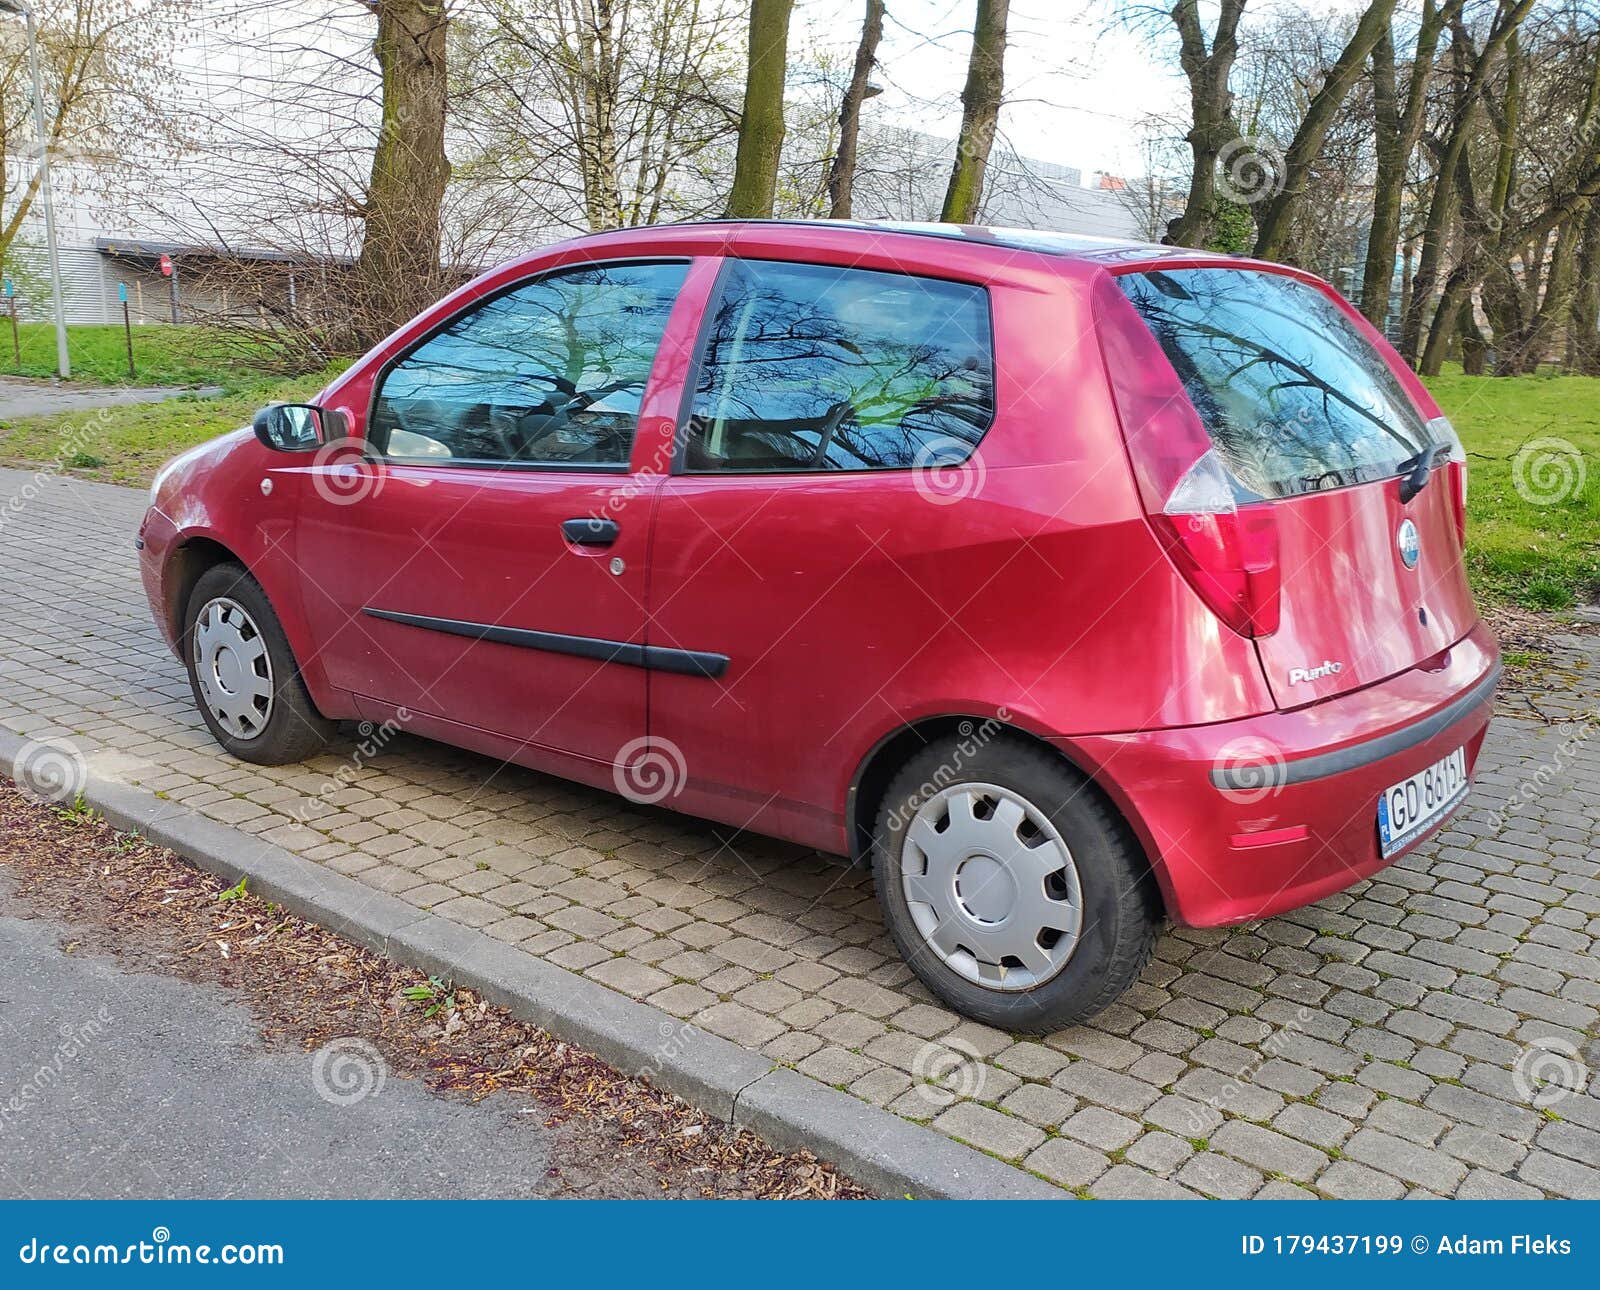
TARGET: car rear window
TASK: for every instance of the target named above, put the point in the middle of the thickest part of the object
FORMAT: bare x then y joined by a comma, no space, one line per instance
1294,397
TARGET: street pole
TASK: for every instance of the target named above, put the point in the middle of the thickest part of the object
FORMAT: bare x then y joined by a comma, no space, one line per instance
63,359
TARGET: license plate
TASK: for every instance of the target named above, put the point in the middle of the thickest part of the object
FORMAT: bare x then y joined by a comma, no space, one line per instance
1410,808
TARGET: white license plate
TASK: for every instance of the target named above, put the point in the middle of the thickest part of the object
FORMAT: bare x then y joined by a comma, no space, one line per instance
1410,808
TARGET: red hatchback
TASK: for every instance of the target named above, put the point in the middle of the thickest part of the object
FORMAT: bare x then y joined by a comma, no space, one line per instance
1070,584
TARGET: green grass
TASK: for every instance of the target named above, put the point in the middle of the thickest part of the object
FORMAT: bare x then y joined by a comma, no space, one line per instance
1533,523
126,445
185,355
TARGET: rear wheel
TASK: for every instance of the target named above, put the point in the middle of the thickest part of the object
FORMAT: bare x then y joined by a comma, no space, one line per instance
244,677
1013,889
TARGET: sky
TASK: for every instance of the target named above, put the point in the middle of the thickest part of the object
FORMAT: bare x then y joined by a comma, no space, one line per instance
1077,86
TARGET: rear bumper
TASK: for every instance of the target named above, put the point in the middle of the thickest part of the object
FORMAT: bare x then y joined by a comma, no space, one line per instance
1250,818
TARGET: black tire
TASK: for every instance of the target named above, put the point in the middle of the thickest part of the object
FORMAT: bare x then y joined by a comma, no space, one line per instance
1122,910
293,729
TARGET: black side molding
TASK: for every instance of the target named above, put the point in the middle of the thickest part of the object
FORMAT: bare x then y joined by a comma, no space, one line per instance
657,658
1266,775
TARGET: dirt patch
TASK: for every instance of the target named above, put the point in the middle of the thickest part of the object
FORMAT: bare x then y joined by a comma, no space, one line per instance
155,912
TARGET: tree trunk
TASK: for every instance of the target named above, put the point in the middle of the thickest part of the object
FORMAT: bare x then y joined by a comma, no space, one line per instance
842,173
399,264
755,168
1583,326
1441,210
1211,105
1398,129
980,112
1304,150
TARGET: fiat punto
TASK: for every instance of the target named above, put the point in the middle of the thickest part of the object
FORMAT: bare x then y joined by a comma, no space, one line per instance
1071,585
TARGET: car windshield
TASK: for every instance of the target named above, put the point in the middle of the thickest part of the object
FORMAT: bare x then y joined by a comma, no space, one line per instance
1294,397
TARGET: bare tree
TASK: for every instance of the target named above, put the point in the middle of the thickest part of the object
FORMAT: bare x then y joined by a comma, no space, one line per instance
598,113
1306,147
107,68
842,172
399,269
1475,71
980,112
1208,70
755,174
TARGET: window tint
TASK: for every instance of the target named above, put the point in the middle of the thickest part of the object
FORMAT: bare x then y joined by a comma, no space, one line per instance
813,368
1294,397
552,372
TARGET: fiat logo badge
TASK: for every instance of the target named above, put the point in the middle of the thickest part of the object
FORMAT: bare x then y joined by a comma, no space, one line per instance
1409,543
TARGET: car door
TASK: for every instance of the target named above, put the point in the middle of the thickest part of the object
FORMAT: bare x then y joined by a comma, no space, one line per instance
796,535
481,561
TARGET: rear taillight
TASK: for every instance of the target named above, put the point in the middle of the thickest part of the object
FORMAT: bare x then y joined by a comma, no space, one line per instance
1228,553
1441,431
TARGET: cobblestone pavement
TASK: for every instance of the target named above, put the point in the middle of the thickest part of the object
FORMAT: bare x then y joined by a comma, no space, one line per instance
1417,1035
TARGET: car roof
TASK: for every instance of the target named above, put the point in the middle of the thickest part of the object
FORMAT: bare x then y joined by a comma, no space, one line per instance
1102,250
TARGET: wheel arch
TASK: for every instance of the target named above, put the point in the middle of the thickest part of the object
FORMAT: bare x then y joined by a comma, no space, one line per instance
892,750
185,567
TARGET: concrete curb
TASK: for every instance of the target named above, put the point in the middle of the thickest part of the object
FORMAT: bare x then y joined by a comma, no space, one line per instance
888,1154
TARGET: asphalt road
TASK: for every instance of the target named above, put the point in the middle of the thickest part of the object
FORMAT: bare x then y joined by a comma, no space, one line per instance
123,1084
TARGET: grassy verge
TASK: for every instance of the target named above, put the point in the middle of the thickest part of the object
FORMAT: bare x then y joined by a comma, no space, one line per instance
185,355
125,445
1533,503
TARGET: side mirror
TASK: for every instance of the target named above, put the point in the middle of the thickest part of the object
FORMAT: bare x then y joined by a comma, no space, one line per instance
297,427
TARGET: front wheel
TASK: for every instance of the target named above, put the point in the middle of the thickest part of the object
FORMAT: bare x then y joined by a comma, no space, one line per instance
243,674
1011,887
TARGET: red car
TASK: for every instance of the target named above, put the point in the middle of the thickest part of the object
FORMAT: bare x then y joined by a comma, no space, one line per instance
1072,585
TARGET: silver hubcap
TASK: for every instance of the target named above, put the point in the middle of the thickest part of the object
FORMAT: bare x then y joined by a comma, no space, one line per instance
233,668
991,886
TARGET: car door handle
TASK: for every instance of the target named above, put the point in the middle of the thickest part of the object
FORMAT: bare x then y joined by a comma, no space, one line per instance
590,531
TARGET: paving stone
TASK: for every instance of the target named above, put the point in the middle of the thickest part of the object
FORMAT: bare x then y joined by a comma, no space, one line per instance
1068,1163
1041,1105
1406,1160
1269,1151
1347,1180
1128,1182
1216,1175
1309,1124
1101,1128
989,1130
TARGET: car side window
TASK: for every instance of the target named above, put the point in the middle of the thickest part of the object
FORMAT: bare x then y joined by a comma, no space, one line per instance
549,373
811,368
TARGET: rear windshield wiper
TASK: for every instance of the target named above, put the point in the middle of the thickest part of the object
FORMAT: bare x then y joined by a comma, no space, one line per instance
1415,471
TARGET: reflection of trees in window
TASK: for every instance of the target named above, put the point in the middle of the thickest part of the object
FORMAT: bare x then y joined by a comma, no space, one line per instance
1294,397
827,369
553,370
